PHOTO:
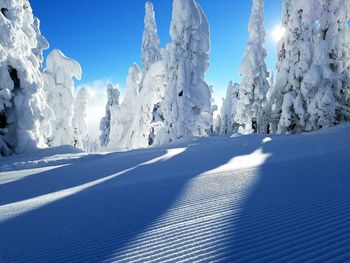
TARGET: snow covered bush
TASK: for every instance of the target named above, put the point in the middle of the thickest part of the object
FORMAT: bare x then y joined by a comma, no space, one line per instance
150,39
24,114
80,126
187,101
226,125
252,103
59,89
113,95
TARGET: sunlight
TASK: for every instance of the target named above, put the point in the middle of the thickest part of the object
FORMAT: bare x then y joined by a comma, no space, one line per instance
278,33
170,154
266,140
243,162
12,176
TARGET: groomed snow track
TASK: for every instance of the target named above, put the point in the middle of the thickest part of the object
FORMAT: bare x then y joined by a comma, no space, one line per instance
246,199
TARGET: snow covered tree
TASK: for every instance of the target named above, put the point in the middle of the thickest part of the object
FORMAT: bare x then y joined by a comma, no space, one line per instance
148,119
80,126
252,104
150,39
113,95
228,126
123,116
187,102
320,83
335,27
23,126
294,61
59,89
136,120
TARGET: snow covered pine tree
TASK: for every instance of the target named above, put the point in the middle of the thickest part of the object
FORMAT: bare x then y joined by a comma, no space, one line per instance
137,120
227,125
113,95
59,89
187,103
335,32
150,39
23,126
252,103
294,61
80,126
123,116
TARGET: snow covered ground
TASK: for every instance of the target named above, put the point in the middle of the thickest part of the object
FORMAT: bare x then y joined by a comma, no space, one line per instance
210,199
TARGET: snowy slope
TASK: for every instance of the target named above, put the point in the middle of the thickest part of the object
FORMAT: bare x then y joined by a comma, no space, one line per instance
254,198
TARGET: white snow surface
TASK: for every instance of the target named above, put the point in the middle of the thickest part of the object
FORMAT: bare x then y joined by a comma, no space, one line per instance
256,197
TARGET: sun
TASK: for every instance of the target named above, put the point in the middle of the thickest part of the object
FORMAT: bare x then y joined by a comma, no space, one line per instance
278,33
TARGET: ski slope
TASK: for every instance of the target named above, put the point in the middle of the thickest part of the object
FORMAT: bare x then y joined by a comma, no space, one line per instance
217,199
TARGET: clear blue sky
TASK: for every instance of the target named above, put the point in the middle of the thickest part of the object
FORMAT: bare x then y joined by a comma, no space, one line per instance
105,36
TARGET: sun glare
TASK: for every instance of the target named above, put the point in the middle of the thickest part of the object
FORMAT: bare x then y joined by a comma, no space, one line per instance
278,33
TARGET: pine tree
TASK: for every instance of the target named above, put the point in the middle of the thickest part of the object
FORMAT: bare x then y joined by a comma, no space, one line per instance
145,123
22,100
228,126
294,61
113,95
150,39
340,55
59,89
187,103
147,119
320,83
80,126
123,116
252,104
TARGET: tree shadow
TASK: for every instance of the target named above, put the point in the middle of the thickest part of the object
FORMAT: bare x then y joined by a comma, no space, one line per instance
73,173
100,221
297,209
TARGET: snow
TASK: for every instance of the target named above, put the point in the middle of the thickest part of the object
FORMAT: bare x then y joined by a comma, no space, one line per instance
221,198
238,199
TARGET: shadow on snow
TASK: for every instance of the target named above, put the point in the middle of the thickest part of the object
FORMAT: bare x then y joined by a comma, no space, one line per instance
100,221
297,207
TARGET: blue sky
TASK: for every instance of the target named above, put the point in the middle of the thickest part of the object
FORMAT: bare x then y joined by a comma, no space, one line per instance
105,36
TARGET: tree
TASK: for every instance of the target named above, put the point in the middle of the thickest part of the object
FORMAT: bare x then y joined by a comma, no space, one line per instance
150,39
113,95
187,103
80,126
123,116
228,126
148,117
23,106
294,61
320,83
338,34
252,103
59,89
